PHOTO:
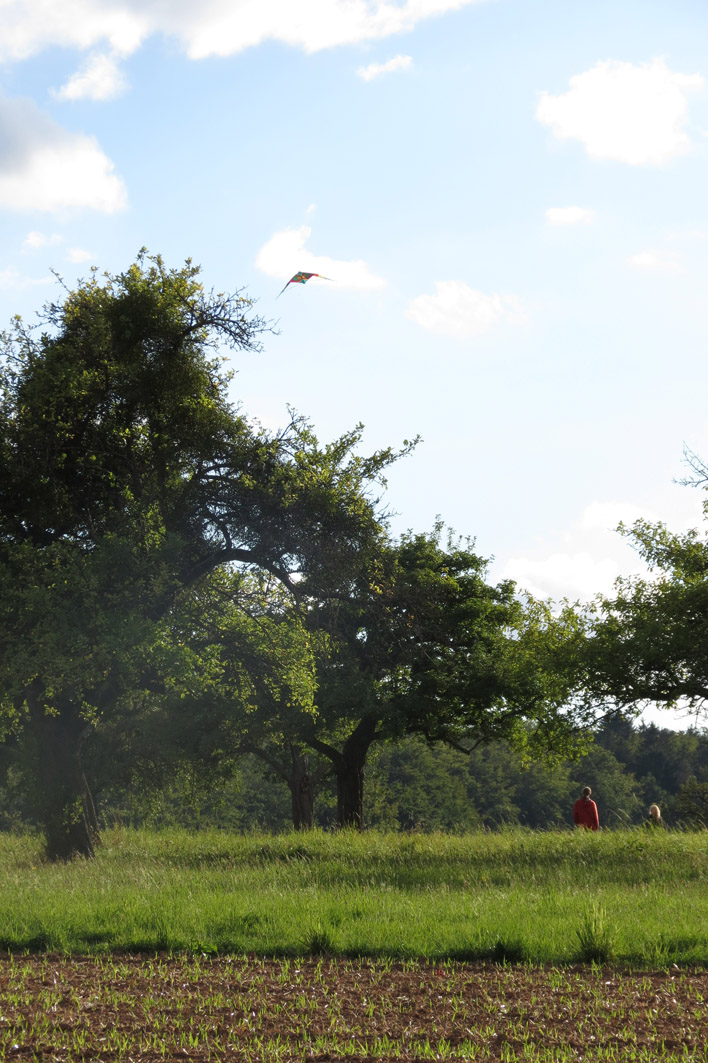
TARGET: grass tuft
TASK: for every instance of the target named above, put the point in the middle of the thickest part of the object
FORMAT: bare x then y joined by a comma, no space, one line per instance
596,937
509,950
319,941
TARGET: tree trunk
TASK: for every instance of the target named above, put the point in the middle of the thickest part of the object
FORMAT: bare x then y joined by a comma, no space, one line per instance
65,804
302,791
302,783
350,793
349,771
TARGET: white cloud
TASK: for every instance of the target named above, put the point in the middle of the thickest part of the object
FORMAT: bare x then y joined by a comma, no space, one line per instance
374,70
607,516
212,27
462,312
77,254
587,557
570,216
655,261
30,26
633,114
230,27
46,168
13,280
285,253
35,240
563,575
100,79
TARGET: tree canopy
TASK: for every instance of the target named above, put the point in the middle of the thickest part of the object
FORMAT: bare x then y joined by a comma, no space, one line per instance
129,476
179,586
424,645
648,641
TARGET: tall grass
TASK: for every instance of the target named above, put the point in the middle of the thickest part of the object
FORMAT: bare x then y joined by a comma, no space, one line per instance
518,895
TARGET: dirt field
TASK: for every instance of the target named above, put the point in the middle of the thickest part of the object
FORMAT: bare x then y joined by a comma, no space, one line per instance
198,1008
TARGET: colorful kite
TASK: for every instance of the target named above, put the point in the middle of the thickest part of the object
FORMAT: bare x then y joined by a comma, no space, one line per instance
302,278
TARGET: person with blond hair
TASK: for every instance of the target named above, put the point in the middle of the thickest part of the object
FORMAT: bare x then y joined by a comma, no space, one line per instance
654,819
585,811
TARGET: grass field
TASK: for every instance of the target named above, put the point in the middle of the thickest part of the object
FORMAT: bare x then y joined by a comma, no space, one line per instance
631,897
545,947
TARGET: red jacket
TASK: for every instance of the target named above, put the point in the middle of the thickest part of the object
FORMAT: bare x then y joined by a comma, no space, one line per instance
585,814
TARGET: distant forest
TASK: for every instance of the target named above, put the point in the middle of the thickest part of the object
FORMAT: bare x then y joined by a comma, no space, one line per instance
411,786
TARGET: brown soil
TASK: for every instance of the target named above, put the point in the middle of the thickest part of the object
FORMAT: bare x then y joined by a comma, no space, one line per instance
198,1008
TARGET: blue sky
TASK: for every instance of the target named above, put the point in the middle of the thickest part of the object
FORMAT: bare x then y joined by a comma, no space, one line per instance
509,197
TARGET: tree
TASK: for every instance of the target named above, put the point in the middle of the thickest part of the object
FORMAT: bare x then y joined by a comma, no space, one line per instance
128,477
690,805
414,786
493,783
241,678
648,643
425,646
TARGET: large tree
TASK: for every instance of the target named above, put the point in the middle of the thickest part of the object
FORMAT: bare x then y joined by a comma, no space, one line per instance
237,677
424,645
648,641
128,476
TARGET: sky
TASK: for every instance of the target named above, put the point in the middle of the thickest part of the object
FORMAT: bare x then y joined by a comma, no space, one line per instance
508,198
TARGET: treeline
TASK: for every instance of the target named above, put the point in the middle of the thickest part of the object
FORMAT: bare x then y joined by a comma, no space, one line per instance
411,786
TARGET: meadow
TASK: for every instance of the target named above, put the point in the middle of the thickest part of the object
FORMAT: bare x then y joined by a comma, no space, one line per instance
518,945
630,897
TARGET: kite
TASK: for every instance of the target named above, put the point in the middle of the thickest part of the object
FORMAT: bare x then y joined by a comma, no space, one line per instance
301,278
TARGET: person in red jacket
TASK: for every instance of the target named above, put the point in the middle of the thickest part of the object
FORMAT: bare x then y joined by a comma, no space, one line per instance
585,811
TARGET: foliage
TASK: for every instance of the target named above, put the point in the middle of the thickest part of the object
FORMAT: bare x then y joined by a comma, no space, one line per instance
424,645
130,479
648,640
433,649
237,664
690,806
410,785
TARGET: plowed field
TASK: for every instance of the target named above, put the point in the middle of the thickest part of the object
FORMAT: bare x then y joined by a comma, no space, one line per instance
199,1008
